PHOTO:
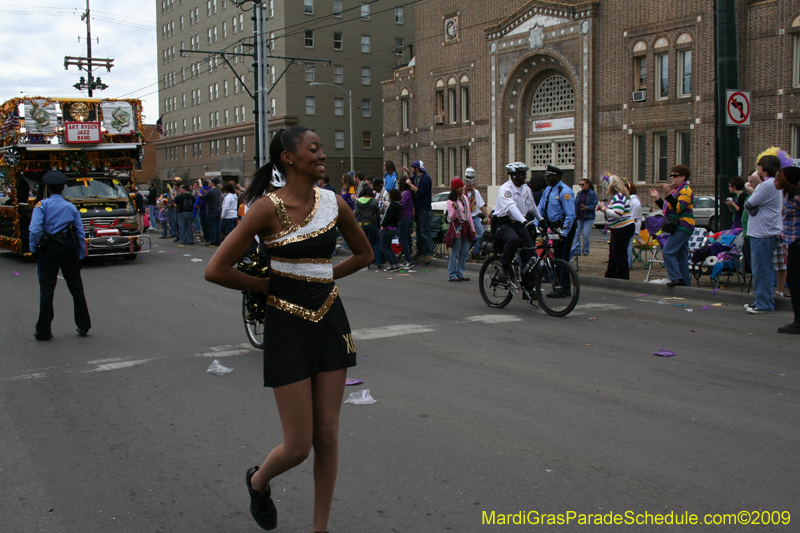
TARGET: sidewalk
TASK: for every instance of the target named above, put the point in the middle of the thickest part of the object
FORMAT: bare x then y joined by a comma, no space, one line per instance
592,268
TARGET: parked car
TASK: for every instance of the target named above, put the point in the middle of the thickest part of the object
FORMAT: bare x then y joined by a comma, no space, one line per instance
704,212
439,201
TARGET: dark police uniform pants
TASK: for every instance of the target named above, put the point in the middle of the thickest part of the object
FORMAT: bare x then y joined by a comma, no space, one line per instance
65,257
561,250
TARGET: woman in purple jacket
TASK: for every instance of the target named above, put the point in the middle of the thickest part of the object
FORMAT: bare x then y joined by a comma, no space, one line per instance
406,218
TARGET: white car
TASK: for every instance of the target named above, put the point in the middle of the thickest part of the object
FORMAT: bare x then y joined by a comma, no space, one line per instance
439,201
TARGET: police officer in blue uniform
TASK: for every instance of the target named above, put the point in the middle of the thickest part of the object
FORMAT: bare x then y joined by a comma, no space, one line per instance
56,233
557,205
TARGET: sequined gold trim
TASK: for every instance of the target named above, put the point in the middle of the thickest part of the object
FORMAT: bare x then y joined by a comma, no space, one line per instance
302,312
311,279
280,210
303,237
315,260
287,222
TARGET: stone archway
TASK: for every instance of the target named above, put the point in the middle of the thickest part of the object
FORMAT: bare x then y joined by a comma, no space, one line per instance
539,113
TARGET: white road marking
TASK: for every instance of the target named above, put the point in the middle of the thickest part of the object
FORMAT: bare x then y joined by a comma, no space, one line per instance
30,376
229,350
105,367
389,331
581,310
494,319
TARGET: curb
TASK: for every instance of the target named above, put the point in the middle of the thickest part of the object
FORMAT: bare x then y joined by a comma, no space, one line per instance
638,287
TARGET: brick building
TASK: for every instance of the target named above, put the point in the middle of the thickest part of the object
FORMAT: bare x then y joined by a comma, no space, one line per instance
621,86
344,46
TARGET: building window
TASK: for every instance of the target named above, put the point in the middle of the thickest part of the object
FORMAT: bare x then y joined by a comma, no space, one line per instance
272,74
184,125
211,120
640,73
366,140
451,101
235,115
271,8
215,34
452,167
309,72
683,148
365,11
311,105
796,62
272,40
338,139
366,108
338,41
464,104
272,107
244,143
639,158
241,111
337,8
224,29
398,15
338,74
225,88
225,118
216,91
236,145
365,44
685,73
554,95
464,157
338,107
440,103
227,146
662,75
216,119
440,167
366,75
183,100
404,112
309,38
661,154
308,7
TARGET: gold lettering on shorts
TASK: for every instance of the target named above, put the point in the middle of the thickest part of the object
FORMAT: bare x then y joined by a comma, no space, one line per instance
351,345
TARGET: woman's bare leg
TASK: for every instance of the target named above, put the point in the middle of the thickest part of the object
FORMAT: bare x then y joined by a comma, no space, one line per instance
328,389
295,408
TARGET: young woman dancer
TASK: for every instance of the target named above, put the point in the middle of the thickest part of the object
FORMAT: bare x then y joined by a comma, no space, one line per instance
307,342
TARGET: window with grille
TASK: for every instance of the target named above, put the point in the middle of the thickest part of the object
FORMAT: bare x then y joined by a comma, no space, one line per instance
554,95
560,153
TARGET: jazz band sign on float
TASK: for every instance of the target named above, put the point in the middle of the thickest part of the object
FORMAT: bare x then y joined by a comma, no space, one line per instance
82,132
553,124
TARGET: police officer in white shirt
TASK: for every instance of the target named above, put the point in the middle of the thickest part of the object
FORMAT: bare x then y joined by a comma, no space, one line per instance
514,203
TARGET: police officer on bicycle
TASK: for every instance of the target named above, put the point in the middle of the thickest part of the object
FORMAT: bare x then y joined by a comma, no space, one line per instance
56,233
513,206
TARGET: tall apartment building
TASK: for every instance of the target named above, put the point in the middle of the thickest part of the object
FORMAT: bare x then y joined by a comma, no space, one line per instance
208,112
620,86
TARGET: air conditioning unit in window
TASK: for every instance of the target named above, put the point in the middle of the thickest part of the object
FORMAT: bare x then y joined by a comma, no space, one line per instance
438,119
639,96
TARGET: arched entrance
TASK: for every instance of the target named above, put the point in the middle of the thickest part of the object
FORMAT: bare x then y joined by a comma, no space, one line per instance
549,107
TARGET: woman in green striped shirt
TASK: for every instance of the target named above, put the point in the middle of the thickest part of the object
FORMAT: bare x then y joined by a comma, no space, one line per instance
618,218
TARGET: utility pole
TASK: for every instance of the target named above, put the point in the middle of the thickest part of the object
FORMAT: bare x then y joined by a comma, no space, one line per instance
728,149
88,63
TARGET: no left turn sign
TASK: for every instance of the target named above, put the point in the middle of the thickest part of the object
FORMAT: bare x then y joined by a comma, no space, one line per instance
737,111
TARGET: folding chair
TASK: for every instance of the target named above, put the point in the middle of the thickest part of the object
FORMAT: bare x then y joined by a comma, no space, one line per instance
732,264
698,239
643,243
653,227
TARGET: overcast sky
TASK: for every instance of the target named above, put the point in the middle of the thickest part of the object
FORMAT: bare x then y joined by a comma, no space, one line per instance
36,36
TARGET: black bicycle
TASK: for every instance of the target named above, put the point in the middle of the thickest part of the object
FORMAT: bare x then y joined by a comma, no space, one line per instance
254,304
540,280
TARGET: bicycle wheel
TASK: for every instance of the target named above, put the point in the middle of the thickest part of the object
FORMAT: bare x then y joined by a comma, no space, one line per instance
253,314
553,298
493,294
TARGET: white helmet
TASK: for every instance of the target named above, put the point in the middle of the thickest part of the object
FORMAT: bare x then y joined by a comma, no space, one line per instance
516,167
469,176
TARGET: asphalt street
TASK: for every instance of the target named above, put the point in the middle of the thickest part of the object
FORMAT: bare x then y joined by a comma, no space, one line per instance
478,410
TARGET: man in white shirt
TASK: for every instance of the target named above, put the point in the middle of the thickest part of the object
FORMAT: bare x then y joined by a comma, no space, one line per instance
514,203
764,229
477,206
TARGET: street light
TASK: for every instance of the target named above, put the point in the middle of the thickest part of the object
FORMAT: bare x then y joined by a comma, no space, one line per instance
350,103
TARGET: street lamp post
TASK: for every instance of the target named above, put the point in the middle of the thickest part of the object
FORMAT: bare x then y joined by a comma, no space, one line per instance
350,104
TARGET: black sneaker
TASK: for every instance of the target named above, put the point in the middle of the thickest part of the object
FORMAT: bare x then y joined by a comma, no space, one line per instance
261,506
794,327
500,276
